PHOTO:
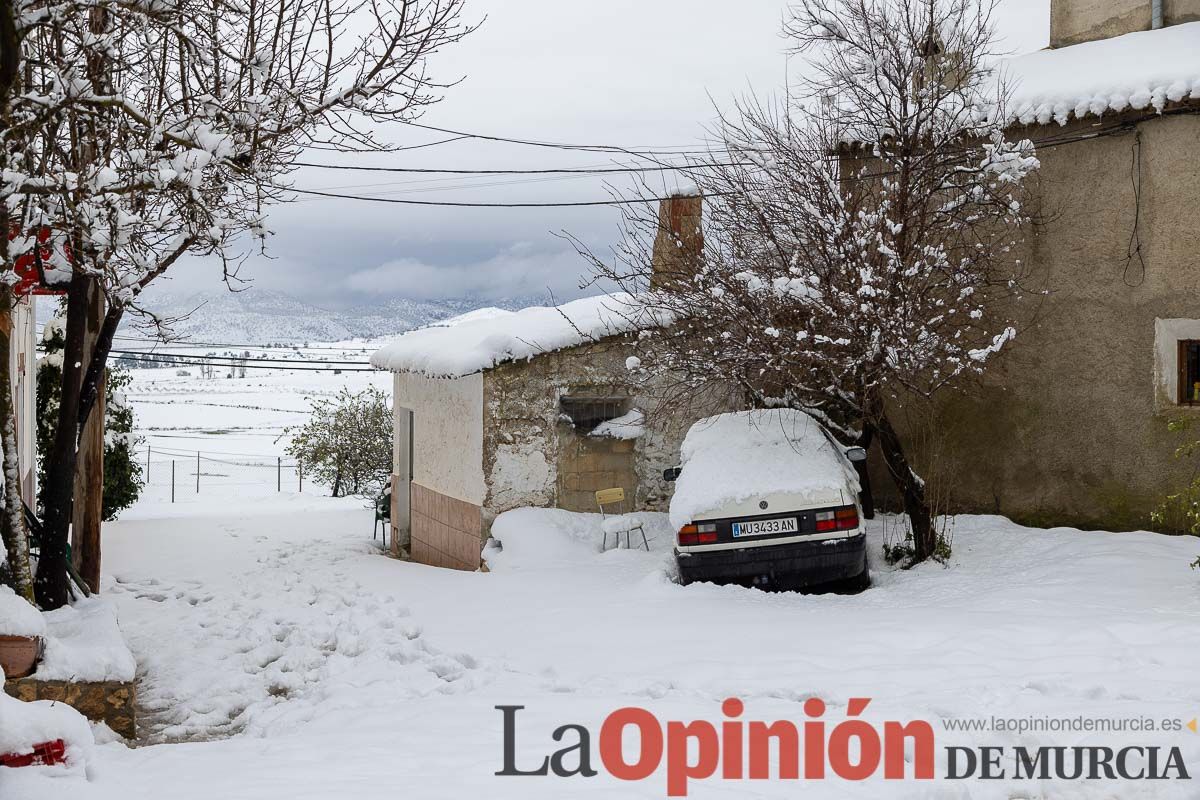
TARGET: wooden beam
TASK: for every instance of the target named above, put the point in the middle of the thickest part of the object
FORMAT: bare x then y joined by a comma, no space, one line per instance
87,514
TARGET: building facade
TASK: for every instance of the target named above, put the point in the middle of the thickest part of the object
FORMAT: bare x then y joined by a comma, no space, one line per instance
502,410
1069,427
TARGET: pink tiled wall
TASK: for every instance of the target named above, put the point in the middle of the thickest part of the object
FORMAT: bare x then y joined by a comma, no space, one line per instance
446,531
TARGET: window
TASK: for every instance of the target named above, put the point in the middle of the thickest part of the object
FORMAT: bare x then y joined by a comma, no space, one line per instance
1189,372
585,413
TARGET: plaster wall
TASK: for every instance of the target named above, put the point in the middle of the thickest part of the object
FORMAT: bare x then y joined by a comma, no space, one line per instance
447,432
1075,21
1070,425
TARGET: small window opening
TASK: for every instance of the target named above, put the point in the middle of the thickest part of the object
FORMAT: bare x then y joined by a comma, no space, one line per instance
1189,372
585,413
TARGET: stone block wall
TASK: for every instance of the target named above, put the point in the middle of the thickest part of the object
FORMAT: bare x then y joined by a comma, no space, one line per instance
110,702
587,465
533,456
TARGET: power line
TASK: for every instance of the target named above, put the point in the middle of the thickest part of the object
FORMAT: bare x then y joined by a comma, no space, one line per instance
238,359
565,171
175,360
593,148
1053,140
176,451
243,345
454,183
463,204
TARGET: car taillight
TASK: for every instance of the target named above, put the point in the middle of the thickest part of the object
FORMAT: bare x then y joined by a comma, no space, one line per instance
837,519
703,533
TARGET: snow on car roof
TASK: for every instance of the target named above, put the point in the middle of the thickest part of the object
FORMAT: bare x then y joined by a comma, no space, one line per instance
733,457
476,342
1135,71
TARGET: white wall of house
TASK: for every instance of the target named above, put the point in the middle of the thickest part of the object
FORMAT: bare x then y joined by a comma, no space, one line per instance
23,369
447,432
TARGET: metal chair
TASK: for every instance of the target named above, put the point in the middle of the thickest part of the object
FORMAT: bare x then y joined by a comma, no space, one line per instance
616,524
383,513
37,535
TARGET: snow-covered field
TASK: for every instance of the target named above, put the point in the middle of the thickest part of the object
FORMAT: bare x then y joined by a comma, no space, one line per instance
282,655
237,425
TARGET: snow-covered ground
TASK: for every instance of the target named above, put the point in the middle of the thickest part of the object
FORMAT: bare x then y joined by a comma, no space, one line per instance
237,425
281,654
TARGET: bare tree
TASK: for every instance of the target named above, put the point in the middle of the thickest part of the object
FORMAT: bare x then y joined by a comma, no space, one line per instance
863,241
141,133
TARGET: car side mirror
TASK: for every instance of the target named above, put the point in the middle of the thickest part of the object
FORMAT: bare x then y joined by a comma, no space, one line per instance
672,474
856,455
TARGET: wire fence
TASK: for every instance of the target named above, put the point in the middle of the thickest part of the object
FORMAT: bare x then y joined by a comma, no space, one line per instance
178,474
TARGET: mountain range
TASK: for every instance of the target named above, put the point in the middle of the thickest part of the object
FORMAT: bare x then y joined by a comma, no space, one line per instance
261,316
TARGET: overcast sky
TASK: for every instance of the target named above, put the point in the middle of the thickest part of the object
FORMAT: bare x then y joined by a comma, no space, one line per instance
634,73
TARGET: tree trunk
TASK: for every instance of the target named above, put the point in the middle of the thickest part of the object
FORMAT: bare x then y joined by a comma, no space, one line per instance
910,486
12,519
52,584
865,496
12,523
80,395
88,505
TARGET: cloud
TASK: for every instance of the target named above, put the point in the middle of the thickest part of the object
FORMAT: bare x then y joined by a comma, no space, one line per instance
537,69
518,270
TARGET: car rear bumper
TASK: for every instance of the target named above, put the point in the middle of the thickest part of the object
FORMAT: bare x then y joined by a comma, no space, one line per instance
806,563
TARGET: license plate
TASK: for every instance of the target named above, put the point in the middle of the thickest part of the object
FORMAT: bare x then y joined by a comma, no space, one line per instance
765,527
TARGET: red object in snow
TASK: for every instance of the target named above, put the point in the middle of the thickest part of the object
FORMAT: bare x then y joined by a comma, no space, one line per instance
26,266
44,754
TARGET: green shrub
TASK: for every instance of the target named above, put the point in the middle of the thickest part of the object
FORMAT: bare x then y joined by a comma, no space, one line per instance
123,481
1179,513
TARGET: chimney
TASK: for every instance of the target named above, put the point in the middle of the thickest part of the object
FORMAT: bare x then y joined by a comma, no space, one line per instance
1076,21
680,240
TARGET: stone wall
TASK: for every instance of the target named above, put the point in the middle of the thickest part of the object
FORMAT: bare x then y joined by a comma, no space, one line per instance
586,465
1069,425
1076,21
110,702
534,457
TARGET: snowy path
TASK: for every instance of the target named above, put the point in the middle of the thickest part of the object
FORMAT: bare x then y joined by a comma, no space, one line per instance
287,658
285,628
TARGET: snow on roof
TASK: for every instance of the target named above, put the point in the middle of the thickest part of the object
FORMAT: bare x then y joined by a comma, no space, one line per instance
478,342
1139,70
731,458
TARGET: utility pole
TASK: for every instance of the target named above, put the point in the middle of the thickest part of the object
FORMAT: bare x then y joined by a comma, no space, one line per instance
88,506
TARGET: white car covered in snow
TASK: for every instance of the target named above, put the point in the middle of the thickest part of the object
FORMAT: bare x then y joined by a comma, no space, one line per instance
767,497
